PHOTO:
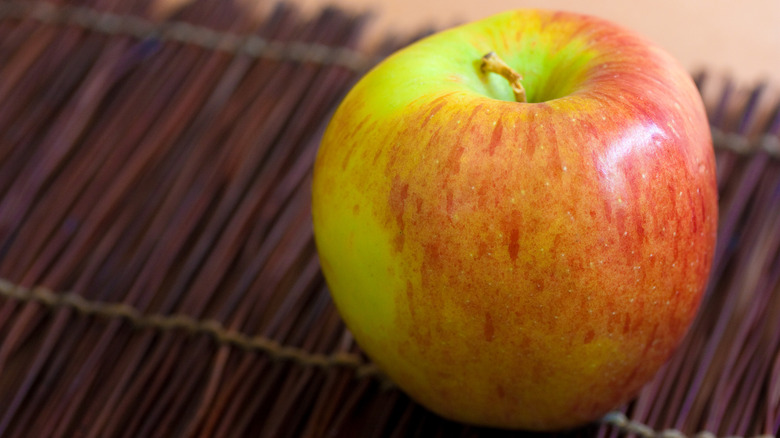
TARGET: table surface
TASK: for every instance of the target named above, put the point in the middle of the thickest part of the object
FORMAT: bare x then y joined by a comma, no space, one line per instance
741,40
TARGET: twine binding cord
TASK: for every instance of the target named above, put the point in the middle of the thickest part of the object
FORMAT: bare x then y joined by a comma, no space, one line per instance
133,26
188,325
257,47
274,350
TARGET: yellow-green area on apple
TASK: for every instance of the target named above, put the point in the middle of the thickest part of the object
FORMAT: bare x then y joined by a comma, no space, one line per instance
519,264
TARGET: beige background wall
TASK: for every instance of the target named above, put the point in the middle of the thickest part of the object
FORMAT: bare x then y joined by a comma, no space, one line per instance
728,37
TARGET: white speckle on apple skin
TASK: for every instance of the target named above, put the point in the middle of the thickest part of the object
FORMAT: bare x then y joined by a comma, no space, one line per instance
674,130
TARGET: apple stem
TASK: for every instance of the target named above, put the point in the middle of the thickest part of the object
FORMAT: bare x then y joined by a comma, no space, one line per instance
492,63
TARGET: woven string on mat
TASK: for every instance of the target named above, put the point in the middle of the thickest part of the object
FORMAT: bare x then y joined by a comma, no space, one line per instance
265,345
257,47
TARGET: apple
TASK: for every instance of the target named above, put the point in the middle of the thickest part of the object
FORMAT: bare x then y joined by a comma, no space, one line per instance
516,218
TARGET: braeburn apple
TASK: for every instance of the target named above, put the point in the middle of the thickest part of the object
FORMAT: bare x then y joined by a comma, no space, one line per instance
519,261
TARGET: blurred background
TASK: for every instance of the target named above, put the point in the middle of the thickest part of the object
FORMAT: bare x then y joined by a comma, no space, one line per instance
740,39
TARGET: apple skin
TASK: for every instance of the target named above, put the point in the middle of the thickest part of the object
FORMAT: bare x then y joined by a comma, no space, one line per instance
519,265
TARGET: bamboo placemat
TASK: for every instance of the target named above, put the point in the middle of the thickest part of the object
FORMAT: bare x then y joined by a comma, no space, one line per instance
157,271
